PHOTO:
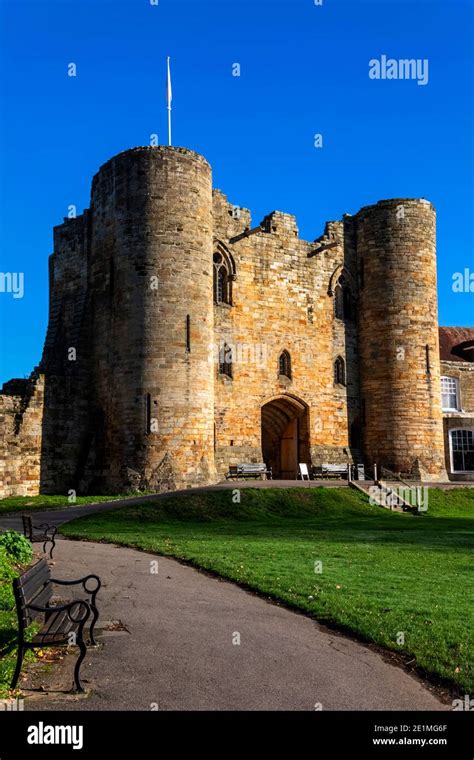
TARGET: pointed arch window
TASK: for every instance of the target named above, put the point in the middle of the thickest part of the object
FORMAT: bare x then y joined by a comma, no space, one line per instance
339,371
224,275
343,300
222,294
339,302
284,364
347,304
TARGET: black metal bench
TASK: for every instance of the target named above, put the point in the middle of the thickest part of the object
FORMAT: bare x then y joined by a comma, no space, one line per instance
63,624
250,470
46,533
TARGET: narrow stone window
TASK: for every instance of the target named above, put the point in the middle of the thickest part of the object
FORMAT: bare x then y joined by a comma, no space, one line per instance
284,364
338,303
347,304
225,360
362,411
148,413
188,333
343,301
339,371
221,285
222,280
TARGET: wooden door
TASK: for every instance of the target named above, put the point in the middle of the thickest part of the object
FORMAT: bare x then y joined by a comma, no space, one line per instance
289,451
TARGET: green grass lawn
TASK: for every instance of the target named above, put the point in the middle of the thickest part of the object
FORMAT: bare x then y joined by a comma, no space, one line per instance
8,639
8,622
27,503
385,576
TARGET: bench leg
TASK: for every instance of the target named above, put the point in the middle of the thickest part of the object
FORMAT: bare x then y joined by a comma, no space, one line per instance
82,654
53,544
95,617
19,662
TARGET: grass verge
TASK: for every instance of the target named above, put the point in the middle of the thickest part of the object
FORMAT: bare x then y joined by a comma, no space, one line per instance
9,569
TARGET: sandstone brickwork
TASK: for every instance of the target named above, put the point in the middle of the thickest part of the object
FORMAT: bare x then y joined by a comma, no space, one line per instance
184,338
21,415
398,337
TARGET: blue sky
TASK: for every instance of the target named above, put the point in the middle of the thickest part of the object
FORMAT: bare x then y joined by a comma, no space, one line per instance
304,70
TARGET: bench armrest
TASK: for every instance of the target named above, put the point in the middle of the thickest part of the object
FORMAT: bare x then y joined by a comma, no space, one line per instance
46,527
68,607
91,591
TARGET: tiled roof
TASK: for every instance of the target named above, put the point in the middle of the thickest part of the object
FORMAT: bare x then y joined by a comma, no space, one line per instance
456,344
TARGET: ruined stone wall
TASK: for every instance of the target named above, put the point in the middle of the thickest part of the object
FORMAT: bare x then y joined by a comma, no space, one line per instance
21,413
398,337
66,359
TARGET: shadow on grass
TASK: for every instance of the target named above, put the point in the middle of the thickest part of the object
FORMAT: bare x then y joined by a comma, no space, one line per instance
433,533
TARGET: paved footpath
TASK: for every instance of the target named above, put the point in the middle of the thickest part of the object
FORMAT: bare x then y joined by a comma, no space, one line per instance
172,647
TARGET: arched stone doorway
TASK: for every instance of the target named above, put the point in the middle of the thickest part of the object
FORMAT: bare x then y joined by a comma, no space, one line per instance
285,435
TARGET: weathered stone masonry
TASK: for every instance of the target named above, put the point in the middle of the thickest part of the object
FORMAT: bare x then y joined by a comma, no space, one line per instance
131,392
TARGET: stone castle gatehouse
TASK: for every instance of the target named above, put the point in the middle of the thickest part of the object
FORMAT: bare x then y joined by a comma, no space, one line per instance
183,340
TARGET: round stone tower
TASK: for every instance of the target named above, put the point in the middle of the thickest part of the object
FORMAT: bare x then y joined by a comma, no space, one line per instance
152,395
398,337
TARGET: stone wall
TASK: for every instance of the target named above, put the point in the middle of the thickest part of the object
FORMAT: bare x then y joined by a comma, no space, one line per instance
398,337
281,300
21,413
66,425
150,281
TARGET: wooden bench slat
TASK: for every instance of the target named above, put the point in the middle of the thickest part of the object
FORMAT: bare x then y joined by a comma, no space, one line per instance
33,585
58,622
40,600
56,630
32,571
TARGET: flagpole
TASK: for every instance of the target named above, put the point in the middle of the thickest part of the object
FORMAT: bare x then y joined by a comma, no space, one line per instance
169,102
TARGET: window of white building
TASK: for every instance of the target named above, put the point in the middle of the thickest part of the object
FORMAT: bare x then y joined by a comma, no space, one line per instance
450,394
462,450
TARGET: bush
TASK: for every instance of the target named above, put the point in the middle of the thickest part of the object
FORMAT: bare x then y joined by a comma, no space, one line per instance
7,573
16,546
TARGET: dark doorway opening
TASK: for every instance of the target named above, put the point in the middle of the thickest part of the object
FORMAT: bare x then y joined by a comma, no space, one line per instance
285,436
